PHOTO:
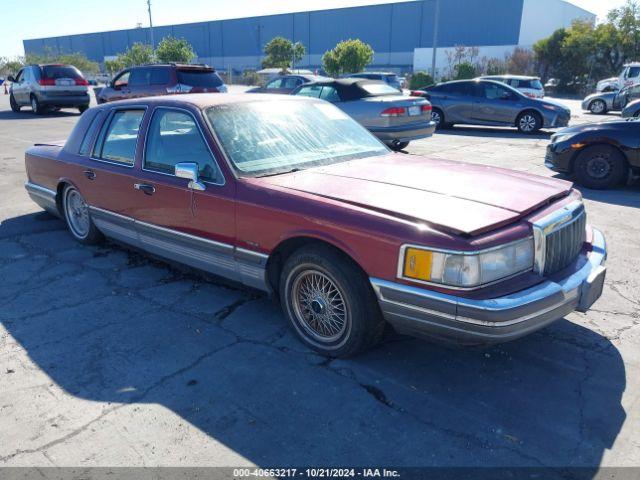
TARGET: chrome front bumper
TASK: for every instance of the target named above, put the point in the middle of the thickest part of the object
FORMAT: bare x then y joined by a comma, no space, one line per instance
424,313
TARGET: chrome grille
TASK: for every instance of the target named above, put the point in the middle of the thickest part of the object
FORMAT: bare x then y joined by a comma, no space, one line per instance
564,245
559,237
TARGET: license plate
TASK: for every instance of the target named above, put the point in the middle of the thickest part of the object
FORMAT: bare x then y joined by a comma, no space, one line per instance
64,82
415,111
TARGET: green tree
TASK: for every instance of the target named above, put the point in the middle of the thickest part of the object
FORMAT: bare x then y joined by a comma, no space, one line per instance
420,80
174,50
349,56
113,66
626,20
10,66
282,53
465,71
548,53
137,54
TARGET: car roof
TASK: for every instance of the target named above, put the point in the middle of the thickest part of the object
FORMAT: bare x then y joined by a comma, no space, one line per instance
506,75
201,100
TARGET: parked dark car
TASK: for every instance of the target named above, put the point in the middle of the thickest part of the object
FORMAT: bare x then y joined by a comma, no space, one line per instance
486,102
48,87
394,118
286,84
601,103
289,195
162,79
600,155
632,110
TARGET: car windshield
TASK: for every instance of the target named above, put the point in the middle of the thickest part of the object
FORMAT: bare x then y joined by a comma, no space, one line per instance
199,78
272,137
376,89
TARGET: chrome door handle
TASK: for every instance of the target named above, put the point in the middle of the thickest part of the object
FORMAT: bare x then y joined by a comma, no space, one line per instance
91,175
146,188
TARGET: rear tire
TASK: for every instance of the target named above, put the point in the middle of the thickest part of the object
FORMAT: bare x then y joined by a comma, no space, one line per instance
398,146
14,105
37,108
78,217
598,107
529,122
329,302
600,167
437,116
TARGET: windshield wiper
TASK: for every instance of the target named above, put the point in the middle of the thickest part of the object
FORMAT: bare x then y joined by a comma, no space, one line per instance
293,170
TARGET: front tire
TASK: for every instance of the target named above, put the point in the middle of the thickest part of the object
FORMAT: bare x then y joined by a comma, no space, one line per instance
14,105
78,217
83,109
600,167
529,122
329,302
598,107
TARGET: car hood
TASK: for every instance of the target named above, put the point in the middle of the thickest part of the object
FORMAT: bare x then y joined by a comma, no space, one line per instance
446,195
599,126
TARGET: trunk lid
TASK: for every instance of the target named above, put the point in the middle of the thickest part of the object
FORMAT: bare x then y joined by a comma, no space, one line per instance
457,197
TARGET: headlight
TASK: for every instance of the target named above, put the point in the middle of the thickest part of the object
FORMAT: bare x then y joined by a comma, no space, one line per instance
462,270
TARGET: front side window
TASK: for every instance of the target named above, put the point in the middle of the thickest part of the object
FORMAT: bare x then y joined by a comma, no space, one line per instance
122,80
119,137
174,137
313,91
291,82
330,94
274,84
272,137
20,76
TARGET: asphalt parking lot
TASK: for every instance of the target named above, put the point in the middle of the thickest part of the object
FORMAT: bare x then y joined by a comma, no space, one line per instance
110,358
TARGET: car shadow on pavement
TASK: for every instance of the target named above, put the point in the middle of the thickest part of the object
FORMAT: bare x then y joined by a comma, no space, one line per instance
493,132
109,326
27,114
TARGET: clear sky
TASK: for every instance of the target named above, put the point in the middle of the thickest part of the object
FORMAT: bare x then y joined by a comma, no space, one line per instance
20,19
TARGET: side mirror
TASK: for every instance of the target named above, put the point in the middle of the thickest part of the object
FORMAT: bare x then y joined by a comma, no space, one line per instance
11,78
189,171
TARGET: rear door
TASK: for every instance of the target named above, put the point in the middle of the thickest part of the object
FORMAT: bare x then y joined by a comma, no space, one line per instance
458,101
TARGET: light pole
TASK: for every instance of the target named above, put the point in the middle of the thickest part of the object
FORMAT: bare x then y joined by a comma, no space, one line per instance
436,25
153,43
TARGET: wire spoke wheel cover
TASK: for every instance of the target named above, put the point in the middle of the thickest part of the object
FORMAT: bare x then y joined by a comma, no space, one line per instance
319,306
77,213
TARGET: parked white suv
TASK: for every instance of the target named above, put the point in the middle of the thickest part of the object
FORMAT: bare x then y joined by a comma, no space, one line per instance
531,86
44,87
630,76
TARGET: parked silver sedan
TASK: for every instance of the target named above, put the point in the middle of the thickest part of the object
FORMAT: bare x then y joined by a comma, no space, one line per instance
601,103
632,110
394,118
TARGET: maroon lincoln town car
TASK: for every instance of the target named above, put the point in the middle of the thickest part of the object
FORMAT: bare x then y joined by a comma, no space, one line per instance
291,196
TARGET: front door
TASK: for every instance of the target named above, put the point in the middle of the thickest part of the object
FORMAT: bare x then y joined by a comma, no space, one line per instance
173,220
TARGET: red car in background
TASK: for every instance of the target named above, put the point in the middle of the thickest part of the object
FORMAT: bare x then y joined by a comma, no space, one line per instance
161,79
293,197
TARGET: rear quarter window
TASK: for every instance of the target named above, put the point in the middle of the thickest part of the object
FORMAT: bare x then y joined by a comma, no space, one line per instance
199,78
94,126
119,137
